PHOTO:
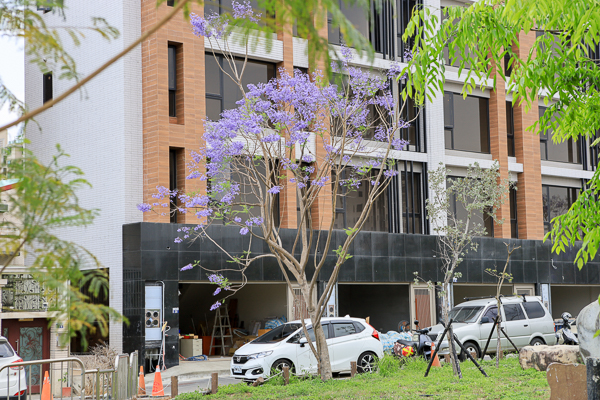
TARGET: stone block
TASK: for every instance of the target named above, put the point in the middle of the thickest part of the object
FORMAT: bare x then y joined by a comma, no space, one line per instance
540,357
567,381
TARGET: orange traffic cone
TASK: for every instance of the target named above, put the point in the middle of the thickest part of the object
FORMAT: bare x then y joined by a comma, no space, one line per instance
157,387
436,360
141,383
46,388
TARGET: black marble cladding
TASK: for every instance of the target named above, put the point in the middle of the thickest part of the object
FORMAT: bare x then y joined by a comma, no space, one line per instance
150,255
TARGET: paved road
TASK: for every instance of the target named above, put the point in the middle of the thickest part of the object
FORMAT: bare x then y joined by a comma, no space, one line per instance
200,384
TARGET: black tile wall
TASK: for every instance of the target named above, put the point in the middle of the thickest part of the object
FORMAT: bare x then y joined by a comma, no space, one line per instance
150,254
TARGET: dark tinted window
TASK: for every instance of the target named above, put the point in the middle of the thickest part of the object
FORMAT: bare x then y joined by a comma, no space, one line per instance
510,129
359,327
514,225
534,309
491,313
355,14
350,205
311,333
513,312
47,87
465,314
6,350
556,200
566,151
459,209
278,334
343,329
221,92
466,124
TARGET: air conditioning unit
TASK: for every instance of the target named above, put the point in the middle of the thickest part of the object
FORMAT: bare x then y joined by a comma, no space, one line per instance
3,207
152,318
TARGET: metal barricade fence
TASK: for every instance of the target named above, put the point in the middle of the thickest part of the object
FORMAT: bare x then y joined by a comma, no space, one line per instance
120,383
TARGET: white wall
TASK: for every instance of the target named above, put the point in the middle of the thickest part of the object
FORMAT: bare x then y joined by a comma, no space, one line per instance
100,127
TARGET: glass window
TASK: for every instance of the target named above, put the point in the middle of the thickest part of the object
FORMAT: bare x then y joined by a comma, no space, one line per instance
343,329
352,203
355,14
510,129
567,151
404,9
47,92
513,312
6,350
491,313
311,333
458,209
514,226
534,309
466,123
412,217
172,81
465,314
278,334
221,88
556,200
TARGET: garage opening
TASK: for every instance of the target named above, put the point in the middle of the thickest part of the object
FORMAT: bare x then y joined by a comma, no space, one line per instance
386,305
572,299
255,302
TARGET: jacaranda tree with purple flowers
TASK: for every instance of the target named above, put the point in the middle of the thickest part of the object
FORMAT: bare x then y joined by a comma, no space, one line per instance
296,133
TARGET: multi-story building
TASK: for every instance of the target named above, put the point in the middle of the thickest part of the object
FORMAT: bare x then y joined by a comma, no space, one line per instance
134,127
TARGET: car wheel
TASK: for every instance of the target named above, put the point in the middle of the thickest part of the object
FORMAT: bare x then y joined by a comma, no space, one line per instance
279,364
471,348
367,362
536,342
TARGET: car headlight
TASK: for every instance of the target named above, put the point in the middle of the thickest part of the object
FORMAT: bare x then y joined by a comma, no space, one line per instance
259,355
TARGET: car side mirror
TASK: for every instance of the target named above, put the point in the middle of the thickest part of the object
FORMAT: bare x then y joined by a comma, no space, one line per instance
484,320
302,341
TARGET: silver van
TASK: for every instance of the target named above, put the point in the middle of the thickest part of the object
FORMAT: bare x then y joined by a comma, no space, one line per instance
524,319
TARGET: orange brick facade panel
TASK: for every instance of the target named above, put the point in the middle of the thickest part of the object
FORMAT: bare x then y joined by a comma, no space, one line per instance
161,133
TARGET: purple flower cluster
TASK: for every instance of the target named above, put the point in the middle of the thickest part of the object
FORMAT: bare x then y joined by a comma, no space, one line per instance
215,306
144,207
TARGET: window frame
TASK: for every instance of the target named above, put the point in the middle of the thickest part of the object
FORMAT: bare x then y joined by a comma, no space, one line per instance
518,307
510,129
571,145
172,79
571,198
451,127
47,87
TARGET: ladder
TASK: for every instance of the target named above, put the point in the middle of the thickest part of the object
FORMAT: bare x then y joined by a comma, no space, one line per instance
222,327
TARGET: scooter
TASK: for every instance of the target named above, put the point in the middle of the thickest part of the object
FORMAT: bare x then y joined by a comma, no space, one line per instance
565,335
413,348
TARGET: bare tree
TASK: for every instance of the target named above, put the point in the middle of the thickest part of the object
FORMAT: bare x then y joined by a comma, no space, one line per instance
459,208
501,277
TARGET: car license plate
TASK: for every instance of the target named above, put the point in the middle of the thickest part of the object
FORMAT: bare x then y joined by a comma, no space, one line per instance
237,370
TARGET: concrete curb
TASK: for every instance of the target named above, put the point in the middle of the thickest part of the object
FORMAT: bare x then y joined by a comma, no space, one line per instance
187,376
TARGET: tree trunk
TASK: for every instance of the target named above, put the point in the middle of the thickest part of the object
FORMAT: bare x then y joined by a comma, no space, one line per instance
498,344
322,353
450,334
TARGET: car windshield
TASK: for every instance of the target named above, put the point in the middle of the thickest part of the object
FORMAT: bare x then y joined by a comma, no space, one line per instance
6,350
278,334
465,314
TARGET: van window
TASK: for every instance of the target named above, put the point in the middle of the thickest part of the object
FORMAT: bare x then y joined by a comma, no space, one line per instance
491,313
513,312
534,309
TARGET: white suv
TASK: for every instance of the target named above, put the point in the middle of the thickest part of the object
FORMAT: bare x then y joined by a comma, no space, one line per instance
525,320
348,339
13,376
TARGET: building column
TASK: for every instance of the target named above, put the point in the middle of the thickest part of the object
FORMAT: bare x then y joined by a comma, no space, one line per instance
527,151
288,198
499,147
434,130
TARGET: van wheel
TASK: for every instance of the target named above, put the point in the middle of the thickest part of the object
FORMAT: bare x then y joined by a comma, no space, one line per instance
279,364
366,362
471,348
537,342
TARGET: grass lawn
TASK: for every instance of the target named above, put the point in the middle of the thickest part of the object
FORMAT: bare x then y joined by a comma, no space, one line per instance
407,382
